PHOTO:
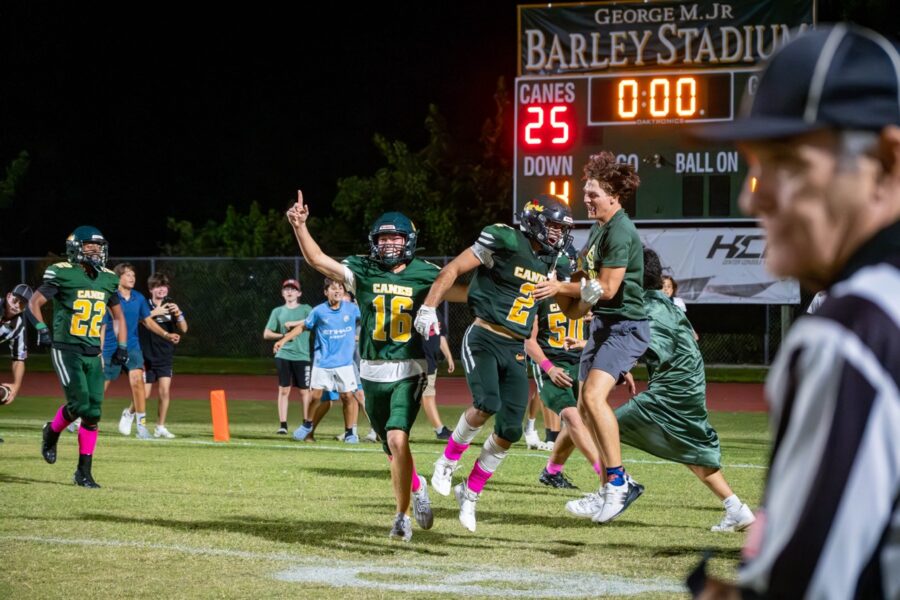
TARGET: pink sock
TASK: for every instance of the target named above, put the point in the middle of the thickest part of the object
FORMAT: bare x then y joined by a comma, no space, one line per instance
87,440
454,449
59,421
416,484
477,478
598,469
553,468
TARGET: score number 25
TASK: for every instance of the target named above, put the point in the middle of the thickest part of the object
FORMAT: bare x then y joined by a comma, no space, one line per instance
558,122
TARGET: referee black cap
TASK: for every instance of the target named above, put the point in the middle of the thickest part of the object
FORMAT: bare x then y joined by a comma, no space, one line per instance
23,291
836,77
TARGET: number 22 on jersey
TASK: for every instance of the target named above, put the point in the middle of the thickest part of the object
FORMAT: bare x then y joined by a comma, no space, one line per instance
87,317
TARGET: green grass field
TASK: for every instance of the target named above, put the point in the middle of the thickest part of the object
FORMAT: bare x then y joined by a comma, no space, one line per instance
265,517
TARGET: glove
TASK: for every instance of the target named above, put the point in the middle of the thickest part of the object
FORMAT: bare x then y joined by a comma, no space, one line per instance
591,290
425,319
43,335
120,357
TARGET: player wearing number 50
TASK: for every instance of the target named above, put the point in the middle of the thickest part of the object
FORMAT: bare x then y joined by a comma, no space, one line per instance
389,283
509,263
82,290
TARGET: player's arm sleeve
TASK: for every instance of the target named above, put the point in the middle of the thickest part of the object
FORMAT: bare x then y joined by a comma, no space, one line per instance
350,264
492,239
831,490
113,301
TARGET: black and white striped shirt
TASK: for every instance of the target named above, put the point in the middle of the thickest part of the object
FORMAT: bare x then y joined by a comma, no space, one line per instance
831,523
13,331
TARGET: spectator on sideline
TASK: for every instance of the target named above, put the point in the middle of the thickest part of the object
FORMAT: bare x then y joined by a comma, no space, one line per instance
12,330
435,346
159,353
334,324
670,289
136,310
821,137
292,360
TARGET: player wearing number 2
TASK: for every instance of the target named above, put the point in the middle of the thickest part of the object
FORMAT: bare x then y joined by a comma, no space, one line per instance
389,283
509,263
82,290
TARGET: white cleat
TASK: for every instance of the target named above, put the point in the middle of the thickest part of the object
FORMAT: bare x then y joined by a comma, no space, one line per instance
739,521
466,499
371,436
125,422
74,425
402,529
616,498
142,433
162,432
532,441
442,478
421,505
586,506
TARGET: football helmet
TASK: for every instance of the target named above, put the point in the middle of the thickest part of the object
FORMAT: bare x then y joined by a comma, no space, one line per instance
87,235
391,255
541,216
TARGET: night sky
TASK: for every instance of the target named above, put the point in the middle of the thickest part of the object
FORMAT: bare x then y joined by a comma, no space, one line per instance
133,113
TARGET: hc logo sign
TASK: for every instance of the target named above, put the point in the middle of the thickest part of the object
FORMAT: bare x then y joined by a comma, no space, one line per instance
742,246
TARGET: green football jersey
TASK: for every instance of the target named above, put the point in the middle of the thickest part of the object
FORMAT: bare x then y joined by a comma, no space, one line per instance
388,303
80,302
553,329
500,291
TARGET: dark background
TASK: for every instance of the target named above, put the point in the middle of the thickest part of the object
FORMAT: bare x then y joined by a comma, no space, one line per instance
136,112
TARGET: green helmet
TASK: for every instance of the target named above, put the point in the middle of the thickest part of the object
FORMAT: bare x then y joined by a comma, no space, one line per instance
86,235
391,255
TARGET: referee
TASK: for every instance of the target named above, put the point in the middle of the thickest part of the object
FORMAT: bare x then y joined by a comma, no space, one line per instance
12,331
822,139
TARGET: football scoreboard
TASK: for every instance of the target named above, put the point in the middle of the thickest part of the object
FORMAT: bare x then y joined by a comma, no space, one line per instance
631,78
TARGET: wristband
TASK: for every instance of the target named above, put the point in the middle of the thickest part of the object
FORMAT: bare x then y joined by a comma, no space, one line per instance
546,365
40,325
180,318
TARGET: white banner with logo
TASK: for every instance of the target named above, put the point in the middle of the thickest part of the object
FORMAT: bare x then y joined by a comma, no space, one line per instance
717,265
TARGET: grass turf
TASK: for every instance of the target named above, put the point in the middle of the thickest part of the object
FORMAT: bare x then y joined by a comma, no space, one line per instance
263,516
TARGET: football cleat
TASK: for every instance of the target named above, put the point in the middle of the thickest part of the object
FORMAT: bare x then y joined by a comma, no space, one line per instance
84,480
442,478
48,443
421,505
559,480
739,521
532,441
402,529
587,506
467,500
616,498
125,422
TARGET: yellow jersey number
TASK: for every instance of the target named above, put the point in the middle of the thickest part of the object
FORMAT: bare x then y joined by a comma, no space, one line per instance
561,328
521,305
401,322
87,318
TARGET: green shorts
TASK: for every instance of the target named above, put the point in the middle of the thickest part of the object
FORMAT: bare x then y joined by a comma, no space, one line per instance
554,397
393,405
81,377
497,378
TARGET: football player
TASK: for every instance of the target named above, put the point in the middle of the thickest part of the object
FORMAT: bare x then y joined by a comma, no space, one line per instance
82,290
390,283
508,263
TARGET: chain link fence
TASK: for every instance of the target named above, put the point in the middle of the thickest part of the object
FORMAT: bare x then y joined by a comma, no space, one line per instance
227,302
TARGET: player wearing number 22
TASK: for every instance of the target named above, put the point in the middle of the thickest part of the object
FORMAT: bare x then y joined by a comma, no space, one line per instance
82,290
390,283
509,263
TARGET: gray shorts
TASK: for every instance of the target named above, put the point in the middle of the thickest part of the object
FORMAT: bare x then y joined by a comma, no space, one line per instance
614,346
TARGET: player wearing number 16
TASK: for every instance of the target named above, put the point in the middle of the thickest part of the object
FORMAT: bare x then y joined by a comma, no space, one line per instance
82,290
509,263
390,283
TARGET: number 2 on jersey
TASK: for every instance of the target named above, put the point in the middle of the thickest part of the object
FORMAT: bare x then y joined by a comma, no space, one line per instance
87,318
401,322
519,311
